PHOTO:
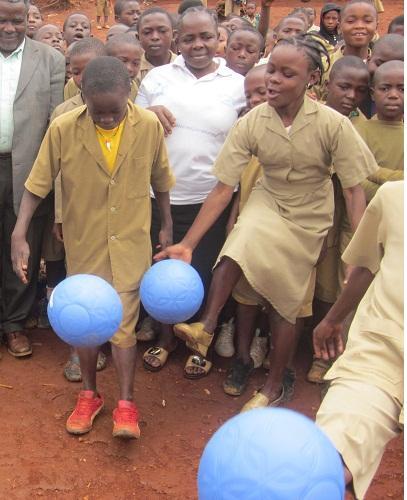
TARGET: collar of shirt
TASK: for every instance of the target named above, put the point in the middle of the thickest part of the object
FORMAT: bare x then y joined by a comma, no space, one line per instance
147,66
17,53
221,70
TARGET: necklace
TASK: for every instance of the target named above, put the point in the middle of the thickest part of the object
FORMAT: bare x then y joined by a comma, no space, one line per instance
108,140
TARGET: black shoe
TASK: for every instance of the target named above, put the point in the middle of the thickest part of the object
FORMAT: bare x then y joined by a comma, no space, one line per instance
238,377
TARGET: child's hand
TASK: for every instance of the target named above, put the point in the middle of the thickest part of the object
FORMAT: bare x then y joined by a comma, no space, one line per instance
179,251
165,237
327,340
166,118
20,253
57,232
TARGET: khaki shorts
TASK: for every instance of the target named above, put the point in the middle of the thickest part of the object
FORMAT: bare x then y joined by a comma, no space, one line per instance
244,294
360,419
102,8
126,335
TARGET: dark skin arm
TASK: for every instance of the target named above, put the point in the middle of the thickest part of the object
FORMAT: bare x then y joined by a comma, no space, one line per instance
327,336
20,251
163,202
265,17
234,214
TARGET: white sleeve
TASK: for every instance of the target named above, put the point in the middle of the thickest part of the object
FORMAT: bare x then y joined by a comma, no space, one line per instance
143,98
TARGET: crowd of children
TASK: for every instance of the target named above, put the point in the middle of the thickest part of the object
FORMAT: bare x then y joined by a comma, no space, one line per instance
254,158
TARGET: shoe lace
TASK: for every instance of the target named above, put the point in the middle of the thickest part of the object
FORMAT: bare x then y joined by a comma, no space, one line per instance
126,415
84,407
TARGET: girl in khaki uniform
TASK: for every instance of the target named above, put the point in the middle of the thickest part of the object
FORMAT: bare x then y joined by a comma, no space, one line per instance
109,153
278,237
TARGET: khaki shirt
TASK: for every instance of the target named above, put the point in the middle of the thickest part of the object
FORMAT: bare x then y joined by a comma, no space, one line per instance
146,66
72,90
106,216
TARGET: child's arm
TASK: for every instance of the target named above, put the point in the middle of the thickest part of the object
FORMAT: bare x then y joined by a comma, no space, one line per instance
355,201
264,17
165,234
384,174
234,213
327,336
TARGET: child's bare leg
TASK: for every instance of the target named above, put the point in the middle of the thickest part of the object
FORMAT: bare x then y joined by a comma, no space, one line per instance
245,327
166,340
225,277
88,358
125,363
284,343
299,327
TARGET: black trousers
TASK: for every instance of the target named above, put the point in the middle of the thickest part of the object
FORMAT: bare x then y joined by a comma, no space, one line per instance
207,251
16,298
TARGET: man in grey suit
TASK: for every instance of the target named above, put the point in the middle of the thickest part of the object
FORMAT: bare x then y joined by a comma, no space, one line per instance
31,85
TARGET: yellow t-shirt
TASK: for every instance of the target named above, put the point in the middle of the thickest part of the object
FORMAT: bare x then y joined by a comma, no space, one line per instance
109,141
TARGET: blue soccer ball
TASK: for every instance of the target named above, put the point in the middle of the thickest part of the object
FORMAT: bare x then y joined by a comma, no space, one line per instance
270,454
171,291
84,310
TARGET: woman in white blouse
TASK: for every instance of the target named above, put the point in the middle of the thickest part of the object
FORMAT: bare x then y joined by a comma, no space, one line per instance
197,99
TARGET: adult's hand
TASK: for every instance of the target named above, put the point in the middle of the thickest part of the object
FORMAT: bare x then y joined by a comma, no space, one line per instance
20,253
179,251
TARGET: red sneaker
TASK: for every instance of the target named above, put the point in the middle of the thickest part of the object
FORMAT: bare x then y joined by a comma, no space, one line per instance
125,420
81,419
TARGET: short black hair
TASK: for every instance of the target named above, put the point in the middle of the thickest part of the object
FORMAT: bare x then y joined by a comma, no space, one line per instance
286,18
397,21
386,68
88,45
198,10
119,6
249,29
43,28
393,41
187,4
353,2
122,39
348,62
105,74
154,10
74,14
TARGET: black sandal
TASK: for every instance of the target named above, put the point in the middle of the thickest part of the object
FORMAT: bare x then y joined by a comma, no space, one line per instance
238,377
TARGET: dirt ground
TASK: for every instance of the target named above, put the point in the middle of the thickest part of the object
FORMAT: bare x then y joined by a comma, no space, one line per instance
39,459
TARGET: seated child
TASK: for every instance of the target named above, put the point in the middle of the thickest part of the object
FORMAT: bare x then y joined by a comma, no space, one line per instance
155,30
244,49
384,136
50,35
34,20
251,15
128,49
105,135
397,25
76,27
127,12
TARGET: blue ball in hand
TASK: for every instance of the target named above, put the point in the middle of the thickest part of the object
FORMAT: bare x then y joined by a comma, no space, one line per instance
270,454
85,310
171,291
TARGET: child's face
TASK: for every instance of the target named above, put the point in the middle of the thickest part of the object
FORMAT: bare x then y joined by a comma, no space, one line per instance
78,64
35,20
117,29
77,28
222,41
311,15
242,51
130,14
347,90
290,27
13,25
130,55
198,41
255,88
251,9
331,21
52,36
381,55
358,24
155,34
287,76
107,109
388,94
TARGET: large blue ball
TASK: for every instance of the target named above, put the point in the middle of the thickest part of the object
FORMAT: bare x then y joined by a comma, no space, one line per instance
270,454
84,310
171,291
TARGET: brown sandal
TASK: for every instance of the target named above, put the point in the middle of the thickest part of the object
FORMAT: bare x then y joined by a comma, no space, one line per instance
196,361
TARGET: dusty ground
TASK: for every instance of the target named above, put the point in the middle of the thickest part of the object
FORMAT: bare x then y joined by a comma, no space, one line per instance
39,459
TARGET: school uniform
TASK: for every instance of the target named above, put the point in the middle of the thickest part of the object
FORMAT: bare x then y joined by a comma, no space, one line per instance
386,141
112,241
146,67
102,8
279,234
362,410
71,90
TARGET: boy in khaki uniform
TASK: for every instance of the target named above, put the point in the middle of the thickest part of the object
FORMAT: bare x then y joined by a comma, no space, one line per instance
103,9
362,410
106,214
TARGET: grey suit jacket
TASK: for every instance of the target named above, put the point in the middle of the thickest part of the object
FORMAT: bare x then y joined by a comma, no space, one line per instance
40,89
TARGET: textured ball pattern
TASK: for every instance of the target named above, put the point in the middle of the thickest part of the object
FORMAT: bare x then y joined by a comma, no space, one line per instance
270,453
171,291
85,310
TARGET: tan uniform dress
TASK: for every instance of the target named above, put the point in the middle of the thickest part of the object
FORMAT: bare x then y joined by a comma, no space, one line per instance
279,234
362,410
146,66
106,216
386,141
71,90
